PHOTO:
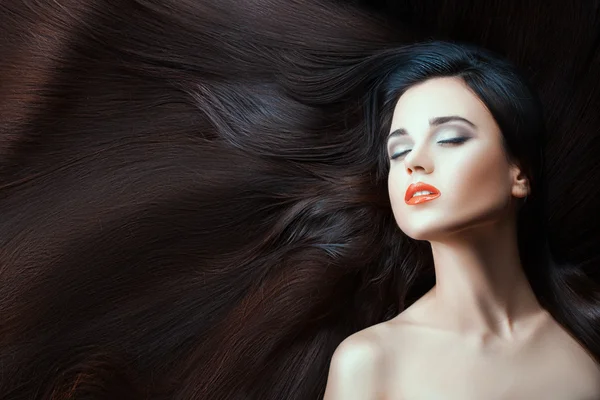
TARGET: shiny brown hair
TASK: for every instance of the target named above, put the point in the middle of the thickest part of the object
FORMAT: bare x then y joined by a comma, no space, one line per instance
180,218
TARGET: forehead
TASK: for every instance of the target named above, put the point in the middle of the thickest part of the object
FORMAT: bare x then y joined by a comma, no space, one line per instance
439,97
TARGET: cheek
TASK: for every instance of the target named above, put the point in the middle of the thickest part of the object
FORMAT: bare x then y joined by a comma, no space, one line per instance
397,185
396,189
483,179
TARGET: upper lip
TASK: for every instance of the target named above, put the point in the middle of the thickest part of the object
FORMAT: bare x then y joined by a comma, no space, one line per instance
417,187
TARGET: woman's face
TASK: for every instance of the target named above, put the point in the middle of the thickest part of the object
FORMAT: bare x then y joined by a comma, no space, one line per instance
474,180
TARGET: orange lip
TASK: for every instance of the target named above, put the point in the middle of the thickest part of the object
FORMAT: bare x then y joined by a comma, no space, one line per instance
417,187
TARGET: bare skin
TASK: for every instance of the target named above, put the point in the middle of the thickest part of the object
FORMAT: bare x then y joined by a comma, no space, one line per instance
410,360
404,359
480,332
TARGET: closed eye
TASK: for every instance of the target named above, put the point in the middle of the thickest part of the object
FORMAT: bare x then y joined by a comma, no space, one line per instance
457,140
451,142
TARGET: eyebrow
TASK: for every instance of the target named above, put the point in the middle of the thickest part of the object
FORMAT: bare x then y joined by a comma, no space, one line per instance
433,122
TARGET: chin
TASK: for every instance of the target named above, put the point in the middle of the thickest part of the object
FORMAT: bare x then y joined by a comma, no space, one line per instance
419,233
432,227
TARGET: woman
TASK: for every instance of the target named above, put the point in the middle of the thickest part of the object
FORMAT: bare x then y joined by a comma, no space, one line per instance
188,210
463,138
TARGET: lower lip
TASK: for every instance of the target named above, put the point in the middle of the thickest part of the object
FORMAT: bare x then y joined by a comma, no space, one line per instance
422,199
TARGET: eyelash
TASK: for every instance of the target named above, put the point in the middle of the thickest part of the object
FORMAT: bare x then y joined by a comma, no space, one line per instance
452,142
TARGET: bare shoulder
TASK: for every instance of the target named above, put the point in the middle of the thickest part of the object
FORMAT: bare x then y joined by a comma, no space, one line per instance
356,367
575,358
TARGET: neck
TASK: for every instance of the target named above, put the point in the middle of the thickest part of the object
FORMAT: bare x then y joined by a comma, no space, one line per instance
481,288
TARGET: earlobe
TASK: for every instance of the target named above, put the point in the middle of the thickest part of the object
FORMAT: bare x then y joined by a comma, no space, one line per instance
520,192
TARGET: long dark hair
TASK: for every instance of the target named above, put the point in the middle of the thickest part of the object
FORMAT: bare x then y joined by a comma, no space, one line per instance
567,290
191,207
172,223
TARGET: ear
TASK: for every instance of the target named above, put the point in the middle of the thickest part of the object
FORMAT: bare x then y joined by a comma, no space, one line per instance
520,183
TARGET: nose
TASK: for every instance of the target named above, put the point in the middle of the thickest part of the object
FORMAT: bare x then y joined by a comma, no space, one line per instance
418,160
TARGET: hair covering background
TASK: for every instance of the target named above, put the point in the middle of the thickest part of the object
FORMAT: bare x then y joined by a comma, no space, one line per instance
162,188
